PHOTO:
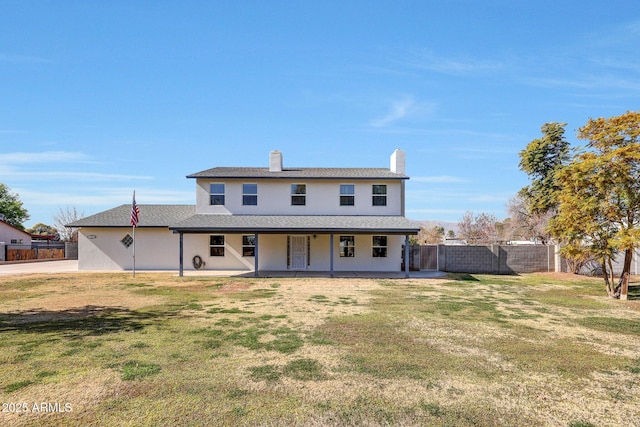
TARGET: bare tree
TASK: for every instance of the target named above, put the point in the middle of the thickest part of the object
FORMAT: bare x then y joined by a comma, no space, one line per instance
525,224
431,236
478,229
66,216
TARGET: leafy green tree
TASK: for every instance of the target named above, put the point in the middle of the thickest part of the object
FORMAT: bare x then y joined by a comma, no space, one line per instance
599,195
11,208
42,230
541,160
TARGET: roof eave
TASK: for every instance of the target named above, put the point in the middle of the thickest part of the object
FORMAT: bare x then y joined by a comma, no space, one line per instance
291,230
301,177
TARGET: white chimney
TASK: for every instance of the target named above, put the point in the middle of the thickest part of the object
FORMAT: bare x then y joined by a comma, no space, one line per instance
275,161
398,160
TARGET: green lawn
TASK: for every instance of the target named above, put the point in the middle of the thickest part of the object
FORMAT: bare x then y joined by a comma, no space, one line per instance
468,350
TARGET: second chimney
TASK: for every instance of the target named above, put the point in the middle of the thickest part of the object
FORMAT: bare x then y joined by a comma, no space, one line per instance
398,160
275,161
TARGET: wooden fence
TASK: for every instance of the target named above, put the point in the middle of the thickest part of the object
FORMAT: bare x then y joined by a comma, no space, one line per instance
33,254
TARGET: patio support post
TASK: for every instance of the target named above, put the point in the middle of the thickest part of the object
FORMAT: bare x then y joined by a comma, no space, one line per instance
331,255
181,256
406,256
255,256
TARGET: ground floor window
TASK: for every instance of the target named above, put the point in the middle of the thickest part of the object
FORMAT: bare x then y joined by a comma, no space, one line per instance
347,246
216,245
379,246
249,245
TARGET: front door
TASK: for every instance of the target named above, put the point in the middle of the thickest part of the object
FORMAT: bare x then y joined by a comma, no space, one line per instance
298,252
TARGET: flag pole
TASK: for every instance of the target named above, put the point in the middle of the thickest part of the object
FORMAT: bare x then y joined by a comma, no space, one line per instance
134,251
135,211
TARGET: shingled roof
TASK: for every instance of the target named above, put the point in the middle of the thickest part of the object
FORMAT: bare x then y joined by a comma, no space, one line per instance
182,218
298,173
150,216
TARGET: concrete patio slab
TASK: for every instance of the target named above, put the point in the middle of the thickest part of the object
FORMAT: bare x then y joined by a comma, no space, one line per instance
71,266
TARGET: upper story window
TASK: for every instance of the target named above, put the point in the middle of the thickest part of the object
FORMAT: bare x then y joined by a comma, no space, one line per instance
379,197
298,194
250,194
347,194
216,194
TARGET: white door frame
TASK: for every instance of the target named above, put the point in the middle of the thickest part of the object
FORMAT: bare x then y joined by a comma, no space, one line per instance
298,250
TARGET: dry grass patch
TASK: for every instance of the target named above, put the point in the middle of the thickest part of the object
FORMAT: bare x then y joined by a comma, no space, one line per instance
467,350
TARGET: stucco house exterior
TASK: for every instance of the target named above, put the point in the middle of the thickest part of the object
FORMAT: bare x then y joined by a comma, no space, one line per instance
10,235
263,219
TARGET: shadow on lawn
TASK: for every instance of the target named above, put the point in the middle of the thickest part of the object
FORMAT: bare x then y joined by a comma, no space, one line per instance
79,322
633,292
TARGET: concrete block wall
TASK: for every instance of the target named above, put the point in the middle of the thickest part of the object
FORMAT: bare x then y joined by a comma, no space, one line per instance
496,259
71,250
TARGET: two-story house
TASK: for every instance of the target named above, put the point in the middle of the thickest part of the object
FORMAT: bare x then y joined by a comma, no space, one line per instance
263,219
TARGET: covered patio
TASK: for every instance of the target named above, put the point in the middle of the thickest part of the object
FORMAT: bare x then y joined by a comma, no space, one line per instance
309,225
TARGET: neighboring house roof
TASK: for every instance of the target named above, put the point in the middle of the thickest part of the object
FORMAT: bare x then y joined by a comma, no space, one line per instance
207,223
298,173
149,216
15,229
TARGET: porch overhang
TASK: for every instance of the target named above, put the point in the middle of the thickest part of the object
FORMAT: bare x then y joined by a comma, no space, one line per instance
295,224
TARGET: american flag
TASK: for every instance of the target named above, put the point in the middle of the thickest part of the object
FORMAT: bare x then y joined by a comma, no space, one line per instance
135,211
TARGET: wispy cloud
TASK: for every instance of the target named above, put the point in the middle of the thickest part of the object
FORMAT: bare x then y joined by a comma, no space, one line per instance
66,175
625,34
103,197
24,59
425,59
15,166
491,198
591,82
435,211
439,179
397,111
42,157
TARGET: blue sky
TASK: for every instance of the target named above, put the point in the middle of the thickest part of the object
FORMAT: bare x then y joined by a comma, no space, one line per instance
100,98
